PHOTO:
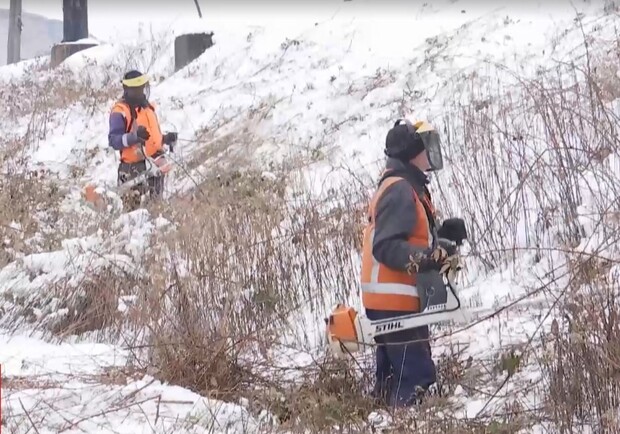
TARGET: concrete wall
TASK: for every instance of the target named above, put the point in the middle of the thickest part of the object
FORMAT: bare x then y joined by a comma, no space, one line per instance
63,50
189,47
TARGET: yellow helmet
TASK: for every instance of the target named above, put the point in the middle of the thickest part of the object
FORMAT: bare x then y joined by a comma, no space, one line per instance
136,86
135,79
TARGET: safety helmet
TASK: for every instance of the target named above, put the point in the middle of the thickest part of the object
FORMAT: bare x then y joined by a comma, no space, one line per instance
406,140
135,79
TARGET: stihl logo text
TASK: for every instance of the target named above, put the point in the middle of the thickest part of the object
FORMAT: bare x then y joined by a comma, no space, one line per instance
389,326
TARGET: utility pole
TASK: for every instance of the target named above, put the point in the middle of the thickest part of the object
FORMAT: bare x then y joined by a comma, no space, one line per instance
15,32
74,20
198,8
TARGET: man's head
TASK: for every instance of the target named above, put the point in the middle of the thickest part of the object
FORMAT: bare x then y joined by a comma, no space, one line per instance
136,87
416,144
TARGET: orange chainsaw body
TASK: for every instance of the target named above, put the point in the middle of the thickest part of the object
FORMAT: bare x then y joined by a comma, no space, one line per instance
342,330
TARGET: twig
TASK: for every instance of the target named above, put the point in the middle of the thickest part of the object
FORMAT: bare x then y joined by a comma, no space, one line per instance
28,416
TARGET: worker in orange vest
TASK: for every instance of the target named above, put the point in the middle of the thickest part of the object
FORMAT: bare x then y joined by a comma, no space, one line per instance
133,131
401,241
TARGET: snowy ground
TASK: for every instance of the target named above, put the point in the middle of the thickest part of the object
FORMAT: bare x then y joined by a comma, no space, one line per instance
331,85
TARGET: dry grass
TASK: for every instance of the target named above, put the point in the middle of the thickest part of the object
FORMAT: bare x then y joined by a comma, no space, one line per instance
92,304
554,182
582,363
40,92
29,203
245,260
330,394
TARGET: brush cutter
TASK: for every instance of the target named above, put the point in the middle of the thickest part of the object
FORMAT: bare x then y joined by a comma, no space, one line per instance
160,165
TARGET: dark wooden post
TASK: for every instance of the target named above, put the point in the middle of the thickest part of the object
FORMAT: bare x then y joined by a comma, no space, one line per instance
75,20
15,32
75,27
189,47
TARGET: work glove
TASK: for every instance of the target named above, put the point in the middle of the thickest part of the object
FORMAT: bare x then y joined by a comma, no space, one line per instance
448,258
170,138
445,248
439,259
453,229
143,133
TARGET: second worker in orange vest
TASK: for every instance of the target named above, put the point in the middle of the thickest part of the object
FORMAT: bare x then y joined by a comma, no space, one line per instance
400,241
133,123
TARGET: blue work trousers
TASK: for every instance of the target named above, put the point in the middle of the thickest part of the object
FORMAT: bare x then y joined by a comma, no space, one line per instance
404,371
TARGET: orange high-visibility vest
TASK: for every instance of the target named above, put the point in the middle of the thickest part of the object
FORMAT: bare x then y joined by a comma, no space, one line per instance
384,288
147,118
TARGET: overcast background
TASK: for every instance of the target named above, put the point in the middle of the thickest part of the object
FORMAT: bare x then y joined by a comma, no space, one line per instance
114,19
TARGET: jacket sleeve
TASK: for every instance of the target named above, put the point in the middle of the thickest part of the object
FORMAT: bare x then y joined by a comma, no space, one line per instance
117,137
396,217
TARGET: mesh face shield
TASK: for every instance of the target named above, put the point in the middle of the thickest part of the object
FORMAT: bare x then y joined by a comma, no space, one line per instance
430,139
432,145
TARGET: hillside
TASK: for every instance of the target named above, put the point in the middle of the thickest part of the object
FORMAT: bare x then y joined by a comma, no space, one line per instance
38,35
205,313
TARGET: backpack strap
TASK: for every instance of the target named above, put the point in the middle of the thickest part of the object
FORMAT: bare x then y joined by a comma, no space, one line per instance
429,208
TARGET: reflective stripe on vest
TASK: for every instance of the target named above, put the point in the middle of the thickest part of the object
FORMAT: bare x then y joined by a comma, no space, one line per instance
384,288
147,118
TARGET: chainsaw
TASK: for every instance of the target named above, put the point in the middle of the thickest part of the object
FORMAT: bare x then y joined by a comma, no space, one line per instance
347,331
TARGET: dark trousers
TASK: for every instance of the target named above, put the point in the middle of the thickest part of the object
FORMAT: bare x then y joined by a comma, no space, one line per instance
154,186
404,371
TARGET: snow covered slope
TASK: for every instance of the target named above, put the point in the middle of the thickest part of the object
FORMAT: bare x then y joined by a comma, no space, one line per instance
325,88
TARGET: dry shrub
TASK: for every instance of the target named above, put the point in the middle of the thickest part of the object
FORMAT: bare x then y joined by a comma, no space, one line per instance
330,394
226,154
527,145
76,305
534,175
93,304
29,203
230,281
607,79
32,221
335,392
452,370
430,423
582,365
42,93
147,52
533,153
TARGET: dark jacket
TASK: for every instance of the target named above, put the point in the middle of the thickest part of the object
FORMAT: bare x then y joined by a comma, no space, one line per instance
396,217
